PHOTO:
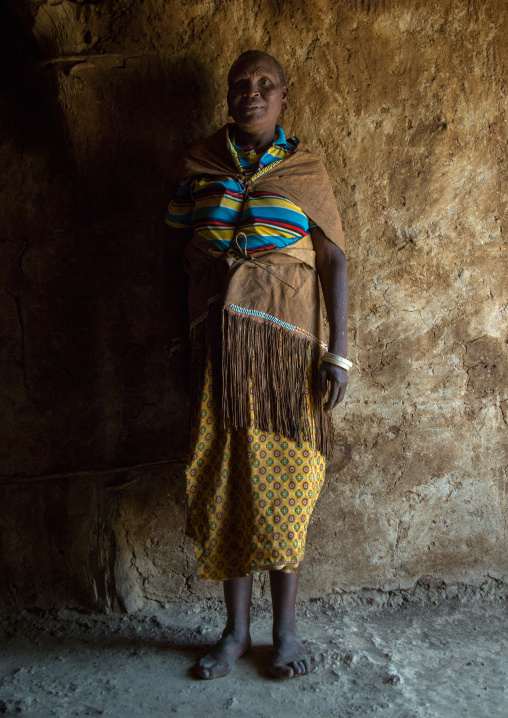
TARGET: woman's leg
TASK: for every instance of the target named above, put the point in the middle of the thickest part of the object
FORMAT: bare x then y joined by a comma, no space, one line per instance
236,636
290,657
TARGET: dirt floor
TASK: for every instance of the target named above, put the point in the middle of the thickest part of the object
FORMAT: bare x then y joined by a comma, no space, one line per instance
441,660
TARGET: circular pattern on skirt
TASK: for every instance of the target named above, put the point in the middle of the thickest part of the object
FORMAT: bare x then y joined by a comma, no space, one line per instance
250,495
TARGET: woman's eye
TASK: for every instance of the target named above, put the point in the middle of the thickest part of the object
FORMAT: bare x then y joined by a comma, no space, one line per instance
264,81
238,86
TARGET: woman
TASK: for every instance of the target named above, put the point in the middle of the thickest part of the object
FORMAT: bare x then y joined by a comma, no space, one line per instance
262,221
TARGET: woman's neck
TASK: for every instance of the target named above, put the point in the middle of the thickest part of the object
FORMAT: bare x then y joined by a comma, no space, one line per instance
259,141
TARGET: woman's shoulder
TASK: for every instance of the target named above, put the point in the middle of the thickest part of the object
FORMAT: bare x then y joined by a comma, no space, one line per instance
212,142
305,159
209,154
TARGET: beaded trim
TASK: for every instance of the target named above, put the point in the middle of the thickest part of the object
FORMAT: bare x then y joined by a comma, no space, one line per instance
265,169
241,169
262,315
235,156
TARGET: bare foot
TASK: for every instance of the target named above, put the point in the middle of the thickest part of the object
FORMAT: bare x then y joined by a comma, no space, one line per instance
290,658
219,661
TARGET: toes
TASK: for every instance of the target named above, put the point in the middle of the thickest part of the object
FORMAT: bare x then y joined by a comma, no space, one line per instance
288,670
304,666
281,671
202,670
214,670
301,667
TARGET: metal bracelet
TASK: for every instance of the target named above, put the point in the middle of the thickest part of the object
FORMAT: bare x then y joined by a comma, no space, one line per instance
337,360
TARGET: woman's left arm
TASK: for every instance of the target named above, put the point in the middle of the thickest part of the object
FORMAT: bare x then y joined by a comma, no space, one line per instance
331,266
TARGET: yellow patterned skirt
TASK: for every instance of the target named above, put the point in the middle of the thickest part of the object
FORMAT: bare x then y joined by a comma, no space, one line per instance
250,495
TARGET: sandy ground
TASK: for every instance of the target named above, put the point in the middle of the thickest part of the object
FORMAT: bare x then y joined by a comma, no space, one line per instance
413,661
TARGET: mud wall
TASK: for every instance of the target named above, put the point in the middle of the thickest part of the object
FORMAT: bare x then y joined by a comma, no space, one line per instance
405,102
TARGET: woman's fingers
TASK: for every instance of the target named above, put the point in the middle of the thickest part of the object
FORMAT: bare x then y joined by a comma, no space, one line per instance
332,379
332,402
323,382
342,392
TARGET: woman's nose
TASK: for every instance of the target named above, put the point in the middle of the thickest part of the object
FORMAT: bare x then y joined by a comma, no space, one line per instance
251,89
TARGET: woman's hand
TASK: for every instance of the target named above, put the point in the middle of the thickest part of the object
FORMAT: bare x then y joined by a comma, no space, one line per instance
332,384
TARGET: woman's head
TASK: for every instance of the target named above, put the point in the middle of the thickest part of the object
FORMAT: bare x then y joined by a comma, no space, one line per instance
257,92
258,54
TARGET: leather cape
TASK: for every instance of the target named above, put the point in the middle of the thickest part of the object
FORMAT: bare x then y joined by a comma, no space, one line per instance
259,318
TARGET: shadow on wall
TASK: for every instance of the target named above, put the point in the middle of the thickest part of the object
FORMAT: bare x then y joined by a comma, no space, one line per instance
128,120
93,296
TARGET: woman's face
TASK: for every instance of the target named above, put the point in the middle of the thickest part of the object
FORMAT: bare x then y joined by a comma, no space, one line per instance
256,94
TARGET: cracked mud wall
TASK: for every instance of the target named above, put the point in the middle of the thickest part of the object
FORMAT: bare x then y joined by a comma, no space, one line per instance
406,103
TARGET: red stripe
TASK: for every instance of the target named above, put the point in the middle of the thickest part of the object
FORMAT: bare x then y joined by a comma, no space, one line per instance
262,249
213,223
204,193
272,222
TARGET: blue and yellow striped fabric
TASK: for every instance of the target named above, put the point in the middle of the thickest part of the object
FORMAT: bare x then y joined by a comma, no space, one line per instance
211,207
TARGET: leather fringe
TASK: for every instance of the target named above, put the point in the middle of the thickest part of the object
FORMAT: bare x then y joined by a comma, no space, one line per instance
283,367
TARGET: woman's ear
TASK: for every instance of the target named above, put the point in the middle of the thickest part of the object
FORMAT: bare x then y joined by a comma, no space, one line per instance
285,98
